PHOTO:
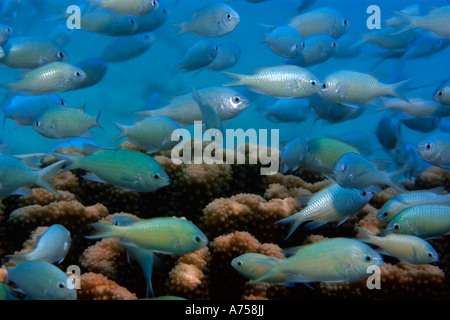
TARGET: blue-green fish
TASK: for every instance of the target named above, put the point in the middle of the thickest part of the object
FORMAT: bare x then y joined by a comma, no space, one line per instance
287,110
435,149
54,77
127,7
355,171
393,206
334,112
152,133
437,21
15,175
209,114
333,260
52,246
293,154
169,235
152,21
6,292
227,56
408,248
333,203
42,281
442,93
214,20
254,265
415,107
124,168
31,52
5,33
227,102
25,109
63,122
352,87
145,258
318,48
324,20
127,47
425,46
198,55
322,153
107,22
284,40
284,81
95,69
424,221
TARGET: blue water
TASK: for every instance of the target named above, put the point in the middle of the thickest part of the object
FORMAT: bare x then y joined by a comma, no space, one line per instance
127,86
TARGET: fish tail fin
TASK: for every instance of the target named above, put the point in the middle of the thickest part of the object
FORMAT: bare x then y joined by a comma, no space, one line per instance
364,235
393,177
45,175
71,161
239,79
183,28
102,230
411,22
123,130
295,222
394,89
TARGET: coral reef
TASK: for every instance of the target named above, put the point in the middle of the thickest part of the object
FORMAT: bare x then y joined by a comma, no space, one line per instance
235,206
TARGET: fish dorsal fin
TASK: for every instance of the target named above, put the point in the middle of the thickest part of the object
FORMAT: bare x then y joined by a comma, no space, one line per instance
303,199
90,149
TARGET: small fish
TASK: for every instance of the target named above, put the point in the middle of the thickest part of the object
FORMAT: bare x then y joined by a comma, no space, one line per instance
305,4
318,48
123,168
227,102
254,265
442,93
5,33
127,7
410,249
388,133
279,81
435,149
52,246
358,139
346,47
293,154
42,281
352,87
95,69
415,107
422,124
25,109
437,21
152,133
424,221
169,235
54,77
152,21
354,171
214,20
227,57
62,122
396,21
127,47
387,38
321,20
198,55
333,203
145,258
109,23
334,112
15,175
425,46
405,200
284,40
332,260
31,52
322,154
287,110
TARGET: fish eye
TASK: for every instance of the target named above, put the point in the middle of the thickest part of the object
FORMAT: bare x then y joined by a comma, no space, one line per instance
396,226
77,74
430,255
324,86
313,82
146,36
132,21
334,44
61,102
239,263
60,54
364,193
164,11
197,239
60,285
344,168
156,176
229,16
236,99
345,22
385,214
440,93
8,30
303,45
428,146
37,123
368,258
153,3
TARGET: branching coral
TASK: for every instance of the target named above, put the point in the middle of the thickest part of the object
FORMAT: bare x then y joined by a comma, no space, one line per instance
96,286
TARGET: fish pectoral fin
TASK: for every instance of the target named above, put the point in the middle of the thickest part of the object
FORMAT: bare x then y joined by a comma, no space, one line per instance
93,177
343,220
